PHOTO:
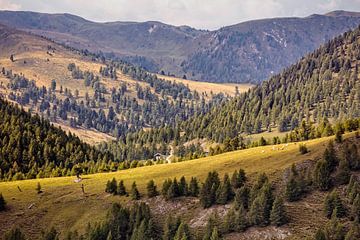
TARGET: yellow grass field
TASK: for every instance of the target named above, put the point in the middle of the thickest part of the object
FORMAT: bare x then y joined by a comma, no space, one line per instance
207,87
63,205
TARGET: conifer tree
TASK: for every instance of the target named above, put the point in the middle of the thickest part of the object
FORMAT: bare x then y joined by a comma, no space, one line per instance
151,189
14,234
356,208
320,235
211,223
170,227
183,232
278,215
333,203
2,203
354,232
343,172
215,234
256,212
242,198
224,192
135,195
240,220
183,187
165,187
193,187
38,188
322,175
121,188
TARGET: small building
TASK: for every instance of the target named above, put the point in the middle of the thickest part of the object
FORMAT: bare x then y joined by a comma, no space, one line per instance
159,156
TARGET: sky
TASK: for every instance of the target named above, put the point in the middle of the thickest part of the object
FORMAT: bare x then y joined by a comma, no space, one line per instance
202,14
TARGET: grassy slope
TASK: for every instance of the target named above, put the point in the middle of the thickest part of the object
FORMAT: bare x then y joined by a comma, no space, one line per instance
63,205
206,87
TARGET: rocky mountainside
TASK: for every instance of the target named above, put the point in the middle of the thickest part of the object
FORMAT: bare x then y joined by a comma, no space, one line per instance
246,52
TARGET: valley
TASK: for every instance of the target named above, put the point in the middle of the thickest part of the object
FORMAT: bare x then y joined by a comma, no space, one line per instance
147,131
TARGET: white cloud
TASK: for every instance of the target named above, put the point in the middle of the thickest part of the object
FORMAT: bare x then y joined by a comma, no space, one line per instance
8,5
206,14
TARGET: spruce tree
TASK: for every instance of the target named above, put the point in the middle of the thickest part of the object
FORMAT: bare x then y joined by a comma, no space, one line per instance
135,195
151,189
343,172
183,232
194,187
14,234
224,192
322,177
121,188
38,188
278,215
356,208
354,232
242,197
240,220
165,187
170,227
183,187
2,203
320,235
256,212
215,234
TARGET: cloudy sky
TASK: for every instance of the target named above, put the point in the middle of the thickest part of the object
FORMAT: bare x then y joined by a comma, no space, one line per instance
204,14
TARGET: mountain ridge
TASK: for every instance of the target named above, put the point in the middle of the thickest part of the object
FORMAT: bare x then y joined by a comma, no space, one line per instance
246,52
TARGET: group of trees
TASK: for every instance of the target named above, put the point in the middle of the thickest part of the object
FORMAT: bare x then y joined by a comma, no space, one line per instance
214,191
324,84
172,188
31,147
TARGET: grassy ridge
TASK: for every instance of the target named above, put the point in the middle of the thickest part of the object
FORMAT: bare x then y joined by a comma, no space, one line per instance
63,205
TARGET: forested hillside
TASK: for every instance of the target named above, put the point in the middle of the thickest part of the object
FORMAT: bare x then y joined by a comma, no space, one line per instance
322,86
30,147
245,52
97,99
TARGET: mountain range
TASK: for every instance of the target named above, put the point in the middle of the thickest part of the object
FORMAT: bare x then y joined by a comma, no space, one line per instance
246,52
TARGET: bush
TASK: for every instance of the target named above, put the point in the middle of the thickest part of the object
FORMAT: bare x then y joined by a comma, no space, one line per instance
303,149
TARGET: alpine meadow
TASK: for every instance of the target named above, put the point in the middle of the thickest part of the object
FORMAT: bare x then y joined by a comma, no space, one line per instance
133,130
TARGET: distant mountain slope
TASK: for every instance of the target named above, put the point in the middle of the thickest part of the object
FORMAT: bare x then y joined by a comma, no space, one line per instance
323,84
247,52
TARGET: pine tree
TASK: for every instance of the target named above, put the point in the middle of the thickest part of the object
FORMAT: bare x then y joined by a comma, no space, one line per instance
322,175
193,187
293,190
135,195
332,204
240,220
165,187
320,235
242,198
238,179
14,234
256,212
183,187
170,227
208,190
214,234
151,189
38,188
354,232
211,223
229,221
52,234
183,232
278,214
356,208
121,188
343,172
224,192
2,203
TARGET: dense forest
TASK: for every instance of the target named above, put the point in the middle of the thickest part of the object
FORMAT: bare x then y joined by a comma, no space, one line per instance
31,147
307,97
324,84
